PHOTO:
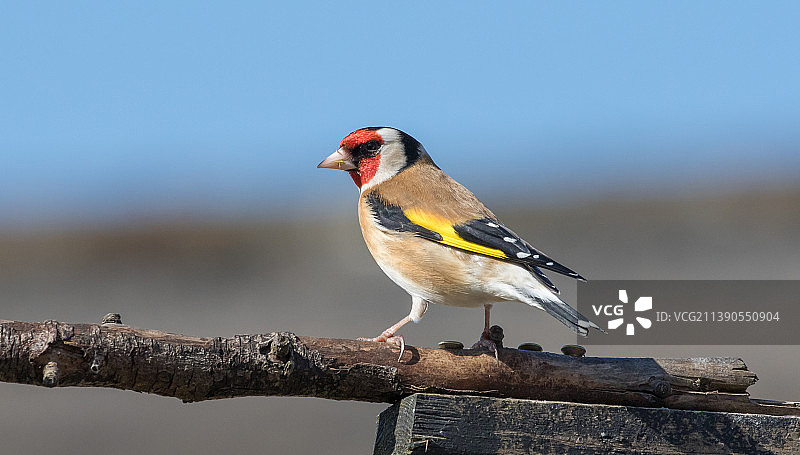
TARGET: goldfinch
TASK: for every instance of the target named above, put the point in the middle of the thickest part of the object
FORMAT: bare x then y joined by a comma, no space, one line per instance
436,240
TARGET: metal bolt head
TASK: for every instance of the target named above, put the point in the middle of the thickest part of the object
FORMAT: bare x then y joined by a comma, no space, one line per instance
573,350
451,345
529,347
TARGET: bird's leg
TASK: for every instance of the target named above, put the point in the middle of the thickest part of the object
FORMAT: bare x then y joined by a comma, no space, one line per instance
487,309
486,340
418,308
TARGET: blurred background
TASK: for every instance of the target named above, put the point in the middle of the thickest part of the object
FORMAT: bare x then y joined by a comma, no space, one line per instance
158,160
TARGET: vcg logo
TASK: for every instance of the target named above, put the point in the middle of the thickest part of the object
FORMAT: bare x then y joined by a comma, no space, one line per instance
641,304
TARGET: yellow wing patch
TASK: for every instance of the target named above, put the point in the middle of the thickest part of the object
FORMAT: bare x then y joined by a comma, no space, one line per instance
449,236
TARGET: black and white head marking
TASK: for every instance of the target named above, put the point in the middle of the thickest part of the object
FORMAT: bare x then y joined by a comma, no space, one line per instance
399,150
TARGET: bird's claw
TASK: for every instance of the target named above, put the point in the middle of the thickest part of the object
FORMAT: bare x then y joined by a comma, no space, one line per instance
396,340
484,343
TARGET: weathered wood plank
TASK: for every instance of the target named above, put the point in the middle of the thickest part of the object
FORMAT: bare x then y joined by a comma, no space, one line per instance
471,425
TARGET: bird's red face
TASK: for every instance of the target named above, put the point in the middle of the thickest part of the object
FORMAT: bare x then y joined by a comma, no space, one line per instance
359,154
374,155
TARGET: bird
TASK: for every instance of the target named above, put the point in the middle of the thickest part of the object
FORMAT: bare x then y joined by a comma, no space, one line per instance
437,241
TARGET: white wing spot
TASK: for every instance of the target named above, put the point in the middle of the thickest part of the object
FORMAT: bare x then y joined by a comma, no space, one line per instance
549,263
573,273
536,256
510,239
492,225
522,255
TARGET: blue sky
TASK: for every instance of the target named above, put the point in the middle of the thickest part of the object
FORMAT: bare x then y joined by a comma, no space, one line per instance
111,111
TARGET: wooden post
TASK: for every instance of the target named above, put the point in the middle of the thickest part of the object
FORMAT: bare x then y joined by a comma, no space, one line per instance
445,424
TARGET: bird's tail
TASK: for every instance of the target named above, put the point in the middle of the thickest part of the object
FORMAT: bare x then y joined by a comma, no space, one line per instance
569,316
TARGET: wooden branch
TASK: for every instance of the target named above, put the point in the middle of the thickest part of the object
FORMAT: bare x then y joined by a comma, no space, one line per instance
193,369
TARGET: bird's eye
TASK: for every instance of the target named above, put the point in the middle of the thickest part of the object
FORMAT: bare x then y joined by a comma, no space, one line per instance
371,146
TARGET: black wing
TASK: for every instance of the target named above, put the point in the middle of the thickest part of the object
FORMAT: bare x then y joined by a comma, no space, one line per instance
493,234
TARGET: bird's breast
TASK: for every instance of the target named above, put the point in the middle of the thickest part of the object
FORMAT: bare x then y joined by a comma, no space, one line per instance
436,272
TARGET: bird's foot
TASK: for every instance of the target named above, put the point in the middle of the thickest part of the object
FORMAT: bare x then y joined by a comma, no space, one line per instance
491,339
485,343
389,338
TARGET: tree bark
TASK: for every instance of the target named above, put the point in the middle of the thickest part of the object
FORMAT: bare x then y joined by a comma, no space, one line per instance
194,369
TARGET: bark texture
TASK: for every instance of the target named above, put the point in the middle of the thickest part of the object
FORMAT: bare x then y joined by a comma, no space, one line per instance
194,369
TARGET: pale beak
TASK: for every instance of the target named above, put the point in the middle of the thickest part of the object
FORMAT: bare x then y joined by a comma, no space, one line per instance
339,159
